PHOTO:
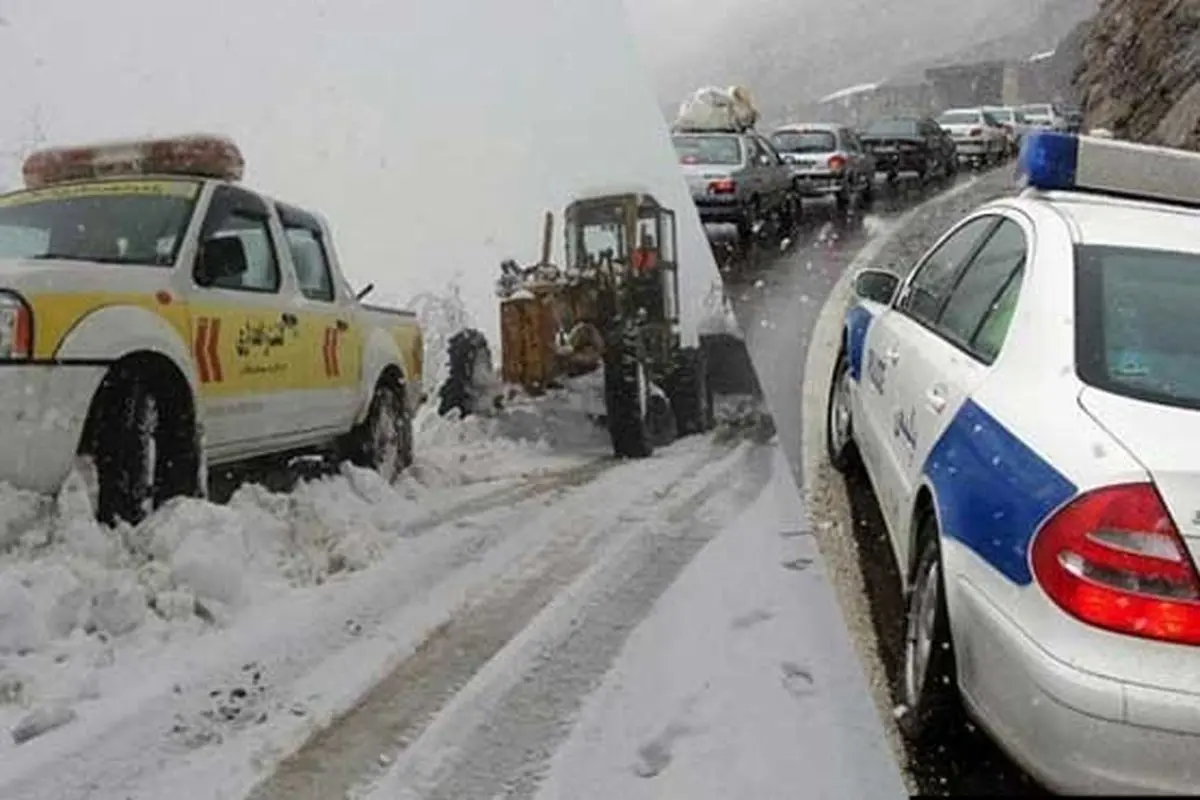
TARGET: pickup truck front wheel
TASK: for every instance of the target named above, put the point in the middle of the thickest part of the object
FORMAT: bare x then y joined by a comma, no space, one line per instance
141,435
384,440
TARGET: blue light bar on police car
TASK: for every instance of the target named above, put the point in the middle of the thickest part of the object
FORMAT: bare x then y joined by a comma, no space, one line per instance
1051,161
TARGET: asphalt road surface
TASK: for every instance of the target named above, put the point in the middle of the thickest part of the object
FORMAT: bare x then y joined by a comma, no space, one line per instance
778,295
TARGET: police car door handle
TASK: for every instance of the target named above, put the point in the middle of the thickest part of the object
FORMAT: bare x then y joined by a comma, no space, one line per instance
935,398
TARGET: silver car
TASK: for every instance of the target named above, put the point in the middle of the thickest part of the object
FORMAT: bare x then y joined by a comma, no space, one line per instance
1044,115
828,161
1014,121
736,178
978,135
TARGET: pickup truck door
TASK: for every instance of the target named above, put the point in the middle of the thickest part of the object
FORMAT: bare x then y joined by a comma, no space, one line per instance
329,317
247,343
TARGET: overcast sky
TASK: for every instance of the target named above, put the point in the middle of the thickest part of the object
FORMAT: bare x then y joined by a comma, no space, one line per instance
433,134
789,51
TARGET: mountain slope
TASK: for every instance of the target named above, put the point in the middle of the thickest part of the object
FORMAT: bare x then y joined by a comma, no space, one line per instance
1141,72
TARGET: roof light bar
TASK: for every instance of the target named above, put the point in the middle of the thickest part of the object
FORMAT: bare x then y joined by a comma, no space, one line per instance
1051,160
196,155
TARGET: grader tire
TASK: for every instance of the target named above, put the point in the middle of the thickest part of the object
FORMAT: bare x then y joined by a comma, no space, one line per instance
469,353
626,387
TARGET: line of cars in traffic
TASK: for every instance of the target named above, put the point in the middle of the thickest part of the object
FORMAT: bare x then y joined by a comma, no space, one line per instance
741,176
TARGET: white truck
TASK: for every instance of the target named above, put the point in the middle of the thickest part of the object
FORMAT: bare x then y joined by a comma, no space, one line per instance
158,318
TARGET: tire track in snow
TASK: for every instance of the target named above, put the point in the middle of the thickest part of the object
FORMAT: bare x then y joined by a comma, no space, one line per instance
397,709
114,751
498,737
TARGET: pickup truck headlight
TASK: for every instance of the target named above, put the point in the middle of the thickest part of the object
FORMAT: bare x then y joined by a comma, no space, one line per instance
16,328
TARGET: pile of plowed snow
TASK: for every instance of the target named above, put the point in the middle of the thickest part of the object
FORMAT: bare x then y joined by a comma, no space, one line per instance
77,598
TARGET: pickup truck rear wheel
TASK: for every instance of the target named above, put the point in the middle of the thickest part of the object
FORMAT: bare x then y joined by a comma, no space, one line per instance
383,442
142,438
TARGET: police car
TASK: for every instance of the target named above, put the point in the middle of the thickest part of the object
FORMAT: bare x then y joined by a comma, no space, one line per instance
1026,403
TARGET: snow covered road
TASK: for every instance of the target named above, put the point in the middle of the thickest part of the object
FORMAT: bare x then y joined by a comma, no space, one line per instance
464,634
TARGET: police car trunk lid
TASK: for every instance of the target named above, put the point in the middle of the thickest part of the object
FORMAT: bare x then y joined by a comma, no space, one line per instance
1164,441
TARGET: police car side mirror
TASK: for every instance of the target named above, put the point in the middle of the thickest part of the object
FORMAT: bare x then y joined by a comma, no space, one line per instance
876,285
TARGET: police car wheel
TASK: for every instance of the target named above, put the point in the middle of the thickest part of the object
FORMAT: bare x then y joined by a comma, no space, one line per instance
928,680
839,427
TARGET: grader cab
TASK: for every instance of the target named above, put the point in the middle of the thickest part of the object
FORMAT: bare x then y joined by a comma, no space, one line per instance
612,305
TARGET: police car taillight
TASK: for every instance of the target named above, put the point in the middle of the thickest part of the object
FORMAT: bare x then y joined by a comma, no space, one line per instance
197,155
1113,558
1050,160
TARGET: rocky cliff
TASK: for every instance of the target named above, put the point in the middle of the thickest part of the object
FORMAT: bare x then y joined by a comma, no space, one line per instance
1140,76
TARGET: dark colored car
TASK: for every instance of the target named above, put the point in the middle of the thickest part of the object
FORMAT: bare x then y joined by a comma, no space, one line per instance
910,145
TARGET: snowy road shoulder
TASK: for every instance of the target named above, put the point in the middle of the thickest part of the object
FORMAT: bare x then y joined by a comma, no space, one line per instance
741,683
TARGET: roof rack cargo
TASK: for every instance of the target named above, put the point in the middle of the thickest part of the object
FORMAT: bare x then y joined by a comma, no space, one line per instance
714,110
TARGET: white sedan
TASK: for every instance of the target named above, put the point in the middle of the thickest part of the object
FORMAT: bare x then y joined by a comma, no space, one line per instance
977,134
1026,403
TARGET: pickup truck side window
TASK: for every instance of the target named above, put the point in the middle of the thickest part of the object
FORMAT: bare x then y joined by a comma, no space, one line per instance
234,212
312,266
262,266
925,294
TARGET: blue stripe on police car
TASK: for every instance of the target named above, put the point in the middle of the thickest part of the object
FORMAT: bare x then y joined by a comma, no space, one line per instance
992,491
858,321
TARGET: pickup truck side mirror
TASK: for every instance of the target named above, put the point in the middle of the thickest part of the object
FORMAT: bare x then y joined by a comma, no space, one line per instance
221,259
876,285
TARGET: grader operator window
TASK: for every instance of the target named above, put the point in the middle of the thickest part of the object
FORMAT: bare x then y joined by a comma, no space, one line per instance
603,239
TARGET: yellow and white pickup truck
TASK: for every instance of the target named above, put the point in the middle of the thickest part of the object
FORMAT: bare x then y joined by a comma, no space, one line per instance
158,318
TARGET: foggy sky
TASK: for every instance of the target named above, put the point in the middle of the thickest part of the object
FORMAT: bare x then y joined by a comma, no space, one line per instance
433,135
789,51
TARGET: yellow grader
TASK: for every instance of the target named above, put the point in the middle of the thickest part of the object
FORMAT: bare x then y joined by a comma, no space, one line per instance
612,306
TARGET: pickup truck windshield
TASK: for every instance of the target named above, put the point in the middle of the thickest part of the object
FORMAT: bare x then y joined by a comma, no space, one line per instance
114,222
726,150
804,141
1137,333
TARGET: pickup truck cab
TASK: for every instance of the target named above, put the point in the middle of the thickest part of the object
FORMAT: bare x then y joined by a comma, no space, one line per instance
158,318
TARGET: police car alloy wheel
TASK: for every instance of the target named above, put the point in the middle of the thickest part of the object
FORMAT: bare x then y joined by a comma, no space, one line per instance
839,428
928,680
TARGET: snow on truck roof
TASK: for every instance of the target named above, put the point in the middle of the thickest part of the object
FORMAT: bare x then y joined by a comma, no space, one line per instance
201,155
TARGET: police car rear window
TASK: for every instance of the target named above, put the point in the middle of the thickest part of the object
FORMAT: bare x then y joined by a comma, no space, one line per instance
1138,330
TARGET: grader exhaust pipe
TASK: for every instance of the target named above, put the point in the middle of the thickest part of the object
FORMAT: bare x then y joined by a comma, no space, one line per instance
547,236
